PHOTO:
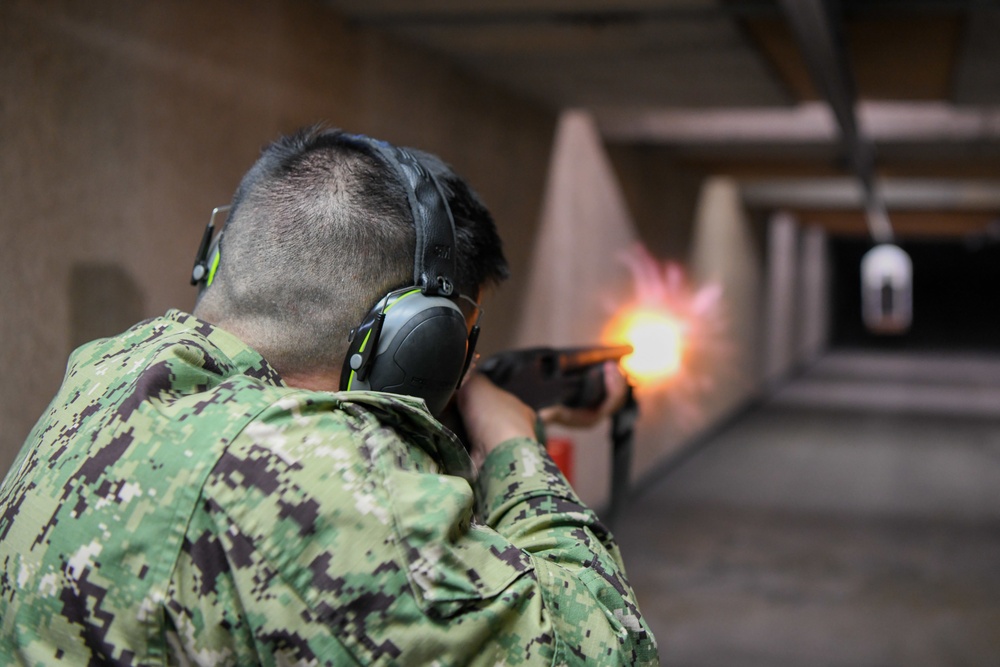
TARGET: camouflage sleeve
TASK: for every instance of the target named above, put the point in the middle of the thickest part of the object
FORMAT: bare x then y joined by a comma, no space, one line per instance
328,535
524,497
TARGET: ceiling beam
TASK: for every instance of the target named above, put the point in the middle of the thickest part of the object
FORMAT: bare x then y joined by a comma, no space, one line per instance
809,123
927,194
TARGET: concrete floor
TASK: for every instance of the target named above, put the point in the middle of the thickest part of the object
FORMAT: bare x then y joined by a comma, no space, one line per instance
854,519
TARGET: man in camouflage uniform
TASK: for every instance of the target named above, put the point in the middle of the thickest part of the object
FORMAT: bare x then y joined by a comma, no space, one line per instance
198,492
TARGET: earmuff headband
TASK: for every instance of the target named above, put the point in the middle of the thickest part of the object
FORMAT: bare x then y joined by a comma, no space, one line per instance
434,254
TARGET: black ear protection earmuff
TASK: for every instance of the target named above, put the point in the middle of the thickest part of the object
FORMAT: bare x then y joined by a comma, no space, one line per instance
416,340
206,262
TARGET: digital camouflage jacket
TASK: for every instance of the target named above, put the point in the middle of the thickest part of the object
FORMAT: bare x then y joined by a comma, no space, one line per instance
178,504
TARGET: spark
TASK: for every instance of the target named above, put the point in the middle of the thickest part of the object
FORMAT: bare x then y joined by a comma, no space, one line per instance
657,339
678,333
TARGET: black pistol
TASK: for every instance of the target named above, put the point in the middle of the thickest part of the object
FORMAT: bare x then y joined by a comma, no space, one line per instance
545,376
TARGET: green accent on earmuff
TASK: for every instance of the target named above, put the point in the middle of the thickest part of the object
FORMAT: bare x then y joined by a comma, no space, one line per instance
364,342
401,297
354,374
215,267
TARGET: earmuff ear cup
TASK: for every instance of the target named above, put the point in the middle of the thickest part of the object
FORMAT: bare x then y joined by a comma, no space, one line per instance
425,358
422,350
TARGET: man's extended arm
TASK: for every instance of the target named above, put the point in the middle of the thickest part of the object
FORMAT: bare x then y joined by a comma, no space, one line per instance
525,498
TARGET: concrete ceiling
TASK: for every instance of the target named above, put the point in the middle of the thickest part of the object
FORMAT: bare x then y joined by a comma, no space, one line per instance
728,84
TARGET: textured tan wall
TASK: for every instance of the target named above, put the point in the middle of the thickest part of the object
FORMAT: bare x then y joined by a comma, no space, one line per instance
726,251
578,279
662,195
585,270
123,123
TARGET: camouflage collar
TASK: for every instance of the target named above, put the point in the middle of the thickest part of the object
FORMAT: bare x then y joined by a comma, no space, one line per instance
410,415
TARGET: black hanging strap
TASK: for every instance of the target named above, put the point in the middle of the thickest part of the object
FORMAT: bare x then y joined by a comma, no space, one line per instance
622,439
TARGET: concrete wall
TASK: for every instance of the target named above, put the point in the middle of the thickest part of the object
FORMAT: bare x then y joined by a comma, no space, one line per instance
684,213
662,195
578,278
797,299
721,373
726,252
814,295
783,269
598,204
123,123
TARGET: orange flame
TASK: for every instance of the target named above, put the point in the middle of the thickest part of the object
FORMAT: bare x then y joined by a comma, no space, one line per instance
676,331
657,338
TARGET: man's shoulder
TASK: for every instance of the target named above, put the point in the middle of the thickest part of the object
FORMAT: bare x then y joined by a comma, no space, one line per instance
371,423
288,417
